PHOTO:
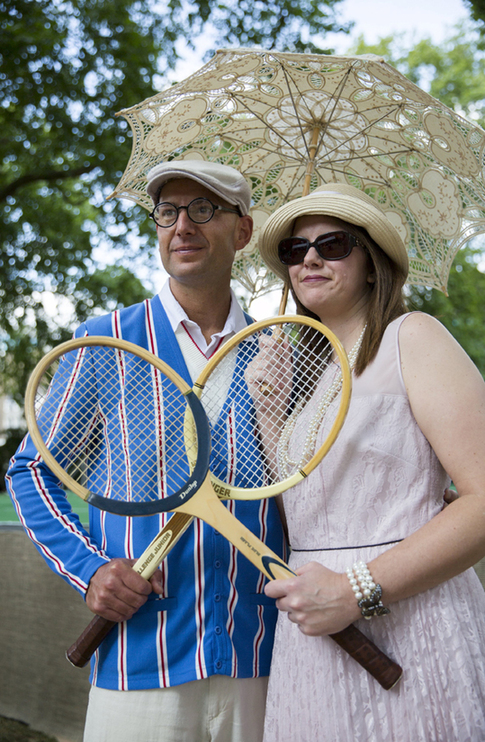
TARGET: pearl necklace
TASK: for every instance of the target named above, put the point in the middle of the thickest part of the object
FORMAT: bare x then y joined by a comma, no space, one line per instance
286,464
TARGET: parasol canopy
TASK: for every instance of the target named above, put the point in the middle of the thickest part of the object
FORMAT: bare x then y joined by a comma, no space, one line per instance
291,122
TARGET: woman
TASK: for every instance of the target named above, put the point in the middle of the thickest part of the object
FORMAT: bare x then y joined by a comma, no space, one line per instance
416,419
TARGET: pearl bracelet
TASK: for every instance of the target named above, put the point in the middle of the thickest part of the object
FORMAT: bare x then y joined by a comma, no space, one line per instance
367,592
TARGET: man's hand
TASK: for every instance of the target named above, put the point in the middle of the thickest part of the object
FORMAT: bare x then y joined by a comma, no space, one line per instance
450,496
116,592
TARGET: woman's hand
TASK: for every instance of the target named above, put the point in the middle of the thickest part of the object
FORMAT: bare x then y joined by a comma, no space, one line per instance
269,375
320,601
269,380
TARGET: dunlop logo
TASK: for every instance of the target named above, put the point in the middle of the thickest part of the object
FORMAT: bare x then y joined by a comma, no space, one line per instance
188,490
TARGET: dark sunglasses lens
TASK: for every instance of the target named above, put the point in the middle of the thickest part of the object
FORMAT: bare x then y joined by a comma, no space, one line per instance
334,246
292,250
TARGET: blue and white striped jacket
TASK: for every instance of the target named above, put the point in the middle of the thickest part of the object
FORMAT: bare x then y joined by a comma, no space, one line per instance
214,617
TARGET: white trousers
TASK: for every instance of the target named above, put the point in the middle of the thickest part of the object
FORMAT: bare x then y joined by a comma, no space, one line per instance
216,709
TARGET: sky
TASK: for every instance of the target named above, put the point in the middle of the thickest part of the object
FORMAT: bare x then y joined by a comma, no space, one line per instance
373,19
377,18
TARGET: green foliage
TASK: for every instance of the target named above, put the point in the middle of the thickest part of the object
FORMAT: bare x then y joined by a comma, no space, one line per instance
110,288
477,10
66,67
286,26
463,310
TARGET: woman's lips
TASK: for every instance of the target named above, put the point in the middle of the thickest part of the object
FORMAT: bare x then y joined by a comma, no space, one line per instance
314,279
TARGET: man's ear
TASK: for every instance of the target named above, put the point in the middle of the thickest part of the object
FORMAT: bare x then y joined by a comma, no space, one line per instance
245,231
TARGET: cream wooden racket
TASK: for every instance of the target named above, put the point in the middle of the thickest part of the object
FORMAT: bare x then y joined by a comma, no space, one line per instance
124,432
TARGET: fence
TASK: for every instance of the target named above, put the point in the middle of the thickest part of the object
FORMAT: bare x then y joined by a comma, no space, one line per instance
40,616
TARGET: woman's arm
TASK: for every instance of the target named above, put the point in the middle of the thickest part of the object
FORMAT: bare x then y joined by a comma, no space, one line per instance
447,397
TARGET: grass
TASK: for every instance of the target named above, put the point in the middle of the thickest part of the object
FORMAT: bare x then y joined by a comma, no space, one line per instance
8,514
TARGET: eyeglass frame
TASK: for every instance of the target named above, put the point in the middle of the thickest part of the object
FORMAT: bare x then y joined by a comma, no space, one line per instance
215,207
353,241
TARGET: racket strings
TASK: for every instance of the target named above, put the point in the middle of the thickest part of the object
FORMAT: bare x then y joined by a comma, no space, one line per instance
308,422
255,393
117,425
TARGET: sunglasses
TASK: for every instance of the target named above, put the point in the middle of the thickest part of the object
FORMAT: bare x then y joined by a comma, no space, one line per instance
331,246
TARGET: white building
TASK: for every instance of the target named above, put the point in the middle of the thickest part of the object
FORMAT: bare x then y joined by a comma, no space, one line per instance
11,416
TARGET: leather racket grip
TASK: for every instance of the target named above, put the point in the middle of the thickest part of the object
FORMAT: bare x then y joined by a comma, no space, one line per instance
87,643
364,651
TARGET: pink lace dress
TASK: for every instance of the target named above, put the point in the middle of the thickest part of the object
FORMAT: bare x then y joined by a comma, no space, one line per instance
380,482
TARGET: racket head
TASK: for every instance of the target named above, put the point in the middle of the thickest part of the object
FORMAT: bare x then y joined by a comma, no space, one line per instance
117,426
313,352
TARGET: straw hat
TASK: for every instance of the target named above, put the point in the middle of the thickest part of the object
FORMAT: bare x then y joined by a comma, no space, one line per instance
338,200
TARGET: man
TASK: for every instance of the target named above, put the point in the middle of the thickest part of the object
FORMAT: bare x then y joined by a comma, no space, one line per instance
191,654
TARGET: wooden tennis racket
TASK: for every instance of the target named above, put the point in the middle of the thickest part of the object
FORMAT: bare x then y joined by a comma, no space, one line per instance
107,391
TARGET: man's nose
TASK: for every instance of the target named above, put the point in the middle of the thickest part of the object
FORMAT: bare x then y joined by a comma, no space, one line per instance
184,223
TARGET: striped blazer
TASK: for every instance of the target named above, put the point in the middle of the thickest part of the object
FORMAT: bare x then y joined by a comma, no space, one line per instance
213,617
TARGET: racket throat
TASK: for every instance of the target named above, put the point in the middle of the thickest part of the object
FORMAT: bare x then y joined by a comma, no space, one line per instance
206,505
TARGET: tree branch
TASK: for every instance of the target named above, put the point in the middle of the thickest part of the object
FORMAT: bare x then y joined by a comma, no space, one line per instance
50,175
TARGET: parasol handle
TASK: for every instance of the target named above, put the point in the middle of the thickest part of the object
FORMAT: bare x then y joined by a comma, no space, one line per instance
306,190
283,300
311,161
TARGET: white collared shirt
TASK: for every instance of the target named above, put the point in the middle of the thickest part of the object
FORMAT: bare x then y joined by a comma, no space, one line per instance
195,350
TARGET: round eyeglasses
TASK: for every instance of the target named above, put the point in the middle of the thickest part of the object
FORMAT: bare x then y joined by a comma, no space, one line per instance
331,246
199,211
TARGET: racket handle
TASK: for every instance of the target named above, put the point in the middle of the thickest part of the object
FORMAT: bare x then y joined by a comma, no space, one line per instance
87,643
364,651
